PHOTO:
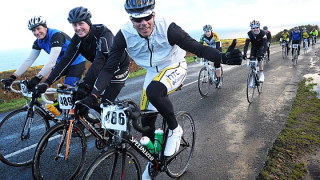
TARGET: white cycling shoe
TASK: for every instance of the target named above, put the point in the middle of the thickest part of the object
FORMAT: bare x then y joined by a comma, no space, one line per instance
173,141
261,77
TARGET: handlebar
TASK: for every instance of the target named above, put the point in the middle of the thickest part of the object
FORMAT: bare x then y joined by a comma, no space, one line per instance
54,91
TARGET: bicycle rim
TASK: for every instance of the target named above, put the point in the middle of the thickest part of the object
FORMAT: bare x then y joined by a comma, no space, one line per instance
46,162
204,82
250,90
259,86
179,162
17,149
113,164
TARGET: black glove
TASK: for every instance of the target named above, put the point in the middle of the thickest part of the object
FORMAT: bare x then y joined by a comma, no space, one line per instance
233,56
8,82
41,88
90,101
81,91
33,82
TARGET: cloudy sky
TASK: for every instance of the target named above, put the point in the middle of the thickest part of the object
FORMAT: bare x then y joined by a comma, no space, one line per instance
191,15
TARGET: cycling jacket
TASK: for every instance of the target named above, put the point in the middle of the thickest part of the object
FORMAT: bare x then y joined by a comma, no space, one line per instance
285,36
257,41
212,41
296,36
95,48
162,48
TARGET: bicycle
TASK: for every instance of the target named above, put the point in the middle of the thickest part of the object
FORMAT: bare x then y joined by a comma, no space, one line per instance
22,128
253,79
295,54
64,145
284,49
207,77
267,57
120,162
305,46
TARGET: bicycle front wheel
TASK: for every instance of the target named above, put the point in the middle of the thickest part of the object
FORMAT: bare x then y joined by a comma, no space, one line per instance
50,157
113,164
295,57
250,86
179,162
19,135
204,82
284,52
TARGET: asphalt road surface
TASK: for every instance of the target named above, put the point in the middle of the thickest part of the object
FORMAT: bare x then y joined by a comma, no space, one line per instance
233,137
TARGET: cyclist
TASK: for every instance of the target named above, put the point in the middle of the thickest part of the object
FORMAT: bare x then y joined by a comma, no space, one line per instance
295,38
93,41
305,35
212,39
157,44
55,43
285,36
314,33
268,33
259,45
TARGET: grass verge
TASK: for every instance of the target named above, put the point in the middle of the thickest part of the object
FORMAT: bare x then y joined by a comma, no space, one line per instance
299,138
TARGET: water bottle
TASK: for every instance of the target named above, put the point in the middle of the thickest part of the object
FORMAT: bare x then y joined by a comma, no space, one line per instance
158,140
93,115
53,110
145,141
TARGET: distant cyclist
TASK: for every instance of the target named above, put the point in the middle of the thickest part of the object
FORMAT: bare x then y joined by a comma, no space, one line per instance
296,37
259,45
55,43
314,33
285,36
269,37
212,39
306,35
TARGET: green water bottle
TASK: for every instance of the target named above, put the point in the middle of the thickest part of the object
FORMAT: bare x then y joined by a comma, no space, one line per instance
158,140
145,141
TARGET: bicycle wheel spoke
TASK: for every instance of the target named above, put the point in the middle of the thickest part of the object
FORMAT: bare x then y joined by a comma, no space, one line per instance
204,82
250,86
19,137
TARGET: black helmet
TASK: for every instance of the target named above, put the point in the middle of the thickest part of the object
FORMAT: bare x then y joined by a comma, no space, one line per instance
36,21
265,27
285,30
138,6
79,14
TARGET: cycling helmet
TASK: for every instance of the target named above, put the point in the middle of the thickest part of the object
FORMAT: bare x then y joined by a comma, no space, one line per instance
265,27
296,28
254,24
139,8
36,21
207,28
304,28
285,30
79,14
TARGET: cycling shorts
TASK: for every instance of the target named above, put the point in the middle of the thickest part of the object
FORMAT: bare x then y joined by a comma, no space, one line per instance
172,77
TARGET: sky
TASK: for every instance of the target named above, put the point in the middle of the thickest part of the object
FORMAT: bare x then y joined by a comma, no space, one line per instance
230,18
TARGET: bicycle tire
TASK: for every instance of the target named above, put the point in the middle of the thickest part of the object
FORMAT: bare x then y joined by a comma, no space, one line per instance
106,166
45,164
250,89
259,85
179,162
17,150
204,82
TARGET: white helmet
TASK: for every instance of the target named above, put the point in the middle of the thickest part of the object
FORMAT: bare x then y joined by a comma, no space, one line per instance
36,21
254,24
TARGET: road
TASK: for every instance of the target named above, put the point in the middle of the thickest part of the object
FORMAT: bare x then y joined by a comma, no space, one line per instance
233,136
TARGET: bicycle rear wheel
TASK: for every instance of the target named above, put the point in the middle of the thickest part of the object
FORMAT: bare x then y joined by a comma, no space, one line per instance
48,161
17,149
113,164
204,83
179,162
250,86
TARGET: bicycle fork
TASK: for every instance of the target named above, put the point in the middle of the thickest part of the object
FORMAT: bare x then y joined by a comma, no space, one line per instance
27,124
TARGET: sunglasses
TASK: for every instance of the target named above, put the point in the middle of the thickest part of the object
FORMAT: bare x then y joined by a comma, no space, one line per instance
138,20
255,28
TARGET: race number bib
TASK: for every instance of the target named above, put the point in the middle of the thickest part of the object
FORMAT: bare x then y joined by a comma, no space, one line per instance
24,90
251,63
114,118
294,45
65,101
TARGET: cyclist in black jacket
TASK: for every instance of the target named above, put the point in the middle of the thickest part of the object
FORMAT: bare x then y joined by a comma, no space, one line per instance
259,45
93,41
269,37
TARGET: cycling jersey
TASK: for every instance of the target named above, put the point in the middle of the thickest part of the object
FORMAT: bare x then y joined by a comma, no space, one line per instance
296,36
285,36
212,41
305,35
95,48
154,53
268,33
258,43
314,33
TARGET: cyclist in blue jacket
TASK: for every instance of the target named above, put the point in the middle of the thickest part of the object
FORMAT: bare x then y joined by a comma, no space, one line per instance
295,38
